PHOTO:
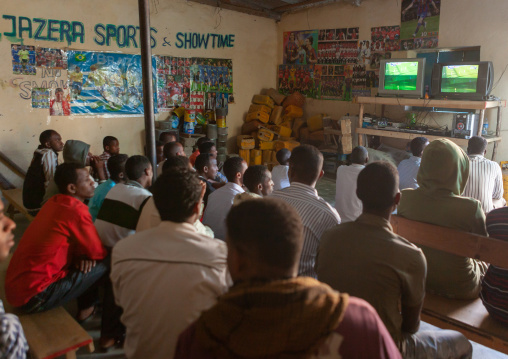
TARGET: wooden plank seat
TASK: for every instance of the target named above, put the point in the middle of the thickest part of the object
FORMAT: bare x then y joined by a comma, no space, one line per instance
49,334
466,316
15,199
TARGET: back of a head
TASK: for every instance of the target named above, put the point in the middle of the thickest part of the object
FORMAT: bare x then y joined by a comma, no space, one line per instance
377,186
116,166
171,149
305,164
166,137
231,167
75,151
476,145
202,140
202,161
359,155
253,176
176,193
135,167
108,140
175,162
417,145
268,231
205,147
65,174
444,166
283,156
45,136
497,223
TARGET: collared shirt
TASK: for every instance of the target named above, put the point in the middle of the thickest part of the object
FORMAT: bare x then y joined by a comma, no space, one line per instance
485,181
347,203
120,212
163,278
99,195
219,204
317,216
60,235
13,344
408,169
366,259
280,177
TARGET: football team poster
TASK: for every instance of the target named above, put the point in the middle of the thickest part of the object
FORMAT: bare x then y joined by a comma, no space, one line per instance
300,47
419,27
105,83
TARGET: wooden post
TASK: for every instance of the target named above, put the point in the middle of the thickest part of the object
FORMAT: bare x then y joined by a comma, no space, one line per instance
498,133
480,123
146,65
360,123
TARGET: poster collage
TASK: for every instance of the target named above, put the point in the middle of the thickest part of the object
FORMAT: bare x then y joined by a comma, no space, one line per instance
333,64
195,83
111,83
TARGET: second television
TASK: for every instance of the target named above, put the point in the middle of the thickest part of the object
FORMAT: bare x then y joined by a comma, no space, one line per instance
402,77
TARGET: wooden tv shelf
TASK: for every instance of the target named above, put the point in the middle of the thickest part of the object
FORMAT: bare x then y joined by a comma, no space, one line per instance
480,106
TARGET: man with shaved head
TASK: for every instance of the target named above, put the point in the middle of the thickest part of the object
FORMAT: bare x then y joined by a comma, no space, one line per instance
346,201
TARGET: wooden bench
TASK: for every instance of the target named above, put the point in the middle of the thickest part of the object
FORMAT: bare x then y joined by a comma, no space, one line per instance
49,334
466,316
15,199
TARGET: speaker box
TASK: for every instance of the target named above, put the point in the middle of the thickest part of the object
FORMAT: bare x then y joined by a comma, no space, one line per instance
465,125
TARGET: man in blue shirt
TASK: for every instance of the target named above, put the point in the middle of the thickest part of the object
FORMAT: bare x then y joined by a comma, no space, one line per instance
408,169
116,168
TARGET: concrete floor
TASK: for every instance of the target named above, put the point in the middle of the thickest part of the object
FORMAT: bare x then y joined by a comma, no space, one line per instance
326,189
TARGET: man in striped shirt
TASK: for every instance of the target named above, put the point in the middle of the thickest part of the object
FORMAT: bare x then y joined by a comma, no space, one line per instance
305,168
485,181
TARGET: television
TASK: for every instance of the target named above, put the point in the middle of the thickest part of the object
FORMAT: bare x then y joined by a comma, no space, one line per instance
401,77
462,80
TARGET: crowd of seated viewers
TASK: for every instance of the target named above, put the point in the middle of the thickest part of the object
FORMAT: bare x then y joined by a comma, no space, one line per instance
239,261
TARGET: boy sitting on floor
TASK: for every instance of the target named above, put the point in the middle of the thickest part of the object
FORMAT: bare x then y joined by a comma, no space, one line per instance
171,149
196,153
41,170
111,147
258,181
206,168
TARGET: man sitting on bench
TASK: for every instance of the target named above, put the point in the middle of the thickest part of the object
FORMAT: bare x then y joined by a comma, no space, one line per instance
270,312
366,259
442,177
57,257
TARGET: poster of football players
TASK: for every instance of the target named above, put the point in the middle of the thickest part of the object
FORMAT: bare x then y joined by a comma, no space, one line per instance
23,60
420,23
51,58
300,47
338,46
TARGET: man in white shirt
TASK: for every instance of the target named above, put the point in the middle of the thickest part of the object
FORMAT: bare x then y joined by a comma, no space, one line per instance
347,203
305,168
408,169
164,277
280,172
221,200
485,181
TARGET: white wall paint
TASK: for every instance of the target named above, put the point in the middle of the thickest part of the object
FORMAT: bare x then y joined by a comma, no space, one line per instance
254,66
462,23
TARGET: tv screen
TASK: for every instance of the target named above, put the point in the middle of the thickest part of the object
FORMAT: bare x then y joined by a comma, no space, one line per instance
401,76
459,78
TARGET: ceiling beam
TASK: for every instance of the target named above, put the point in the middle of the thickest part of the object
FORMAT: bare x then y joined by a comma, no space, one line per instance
303,5
225,4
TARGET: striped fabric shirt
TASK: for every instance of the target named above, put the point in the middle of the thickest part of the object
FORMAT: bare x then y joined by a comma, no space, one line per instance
494,292
104,158
317,216
485,181
13,344
119,214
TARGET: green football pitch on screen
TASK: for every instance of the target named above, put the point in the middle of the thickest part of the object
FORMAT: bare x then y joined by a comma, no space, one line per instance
401,76
459,78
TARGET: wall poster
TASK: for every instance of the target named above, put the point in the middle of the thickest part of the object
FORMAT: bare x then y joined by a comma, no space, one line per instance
105,83
419,27
300,47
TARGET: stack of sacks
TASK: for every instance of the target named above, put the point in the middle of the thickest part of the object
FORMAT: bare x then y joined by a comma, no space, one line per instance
268,128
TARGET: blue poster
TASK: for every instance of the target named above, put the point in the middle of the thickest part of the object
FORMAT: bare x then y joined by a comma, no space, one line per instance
105,83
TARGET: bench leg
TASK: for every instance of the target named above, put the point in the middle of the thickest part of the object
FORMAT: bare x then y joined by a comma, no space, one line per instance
91,347
70,355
